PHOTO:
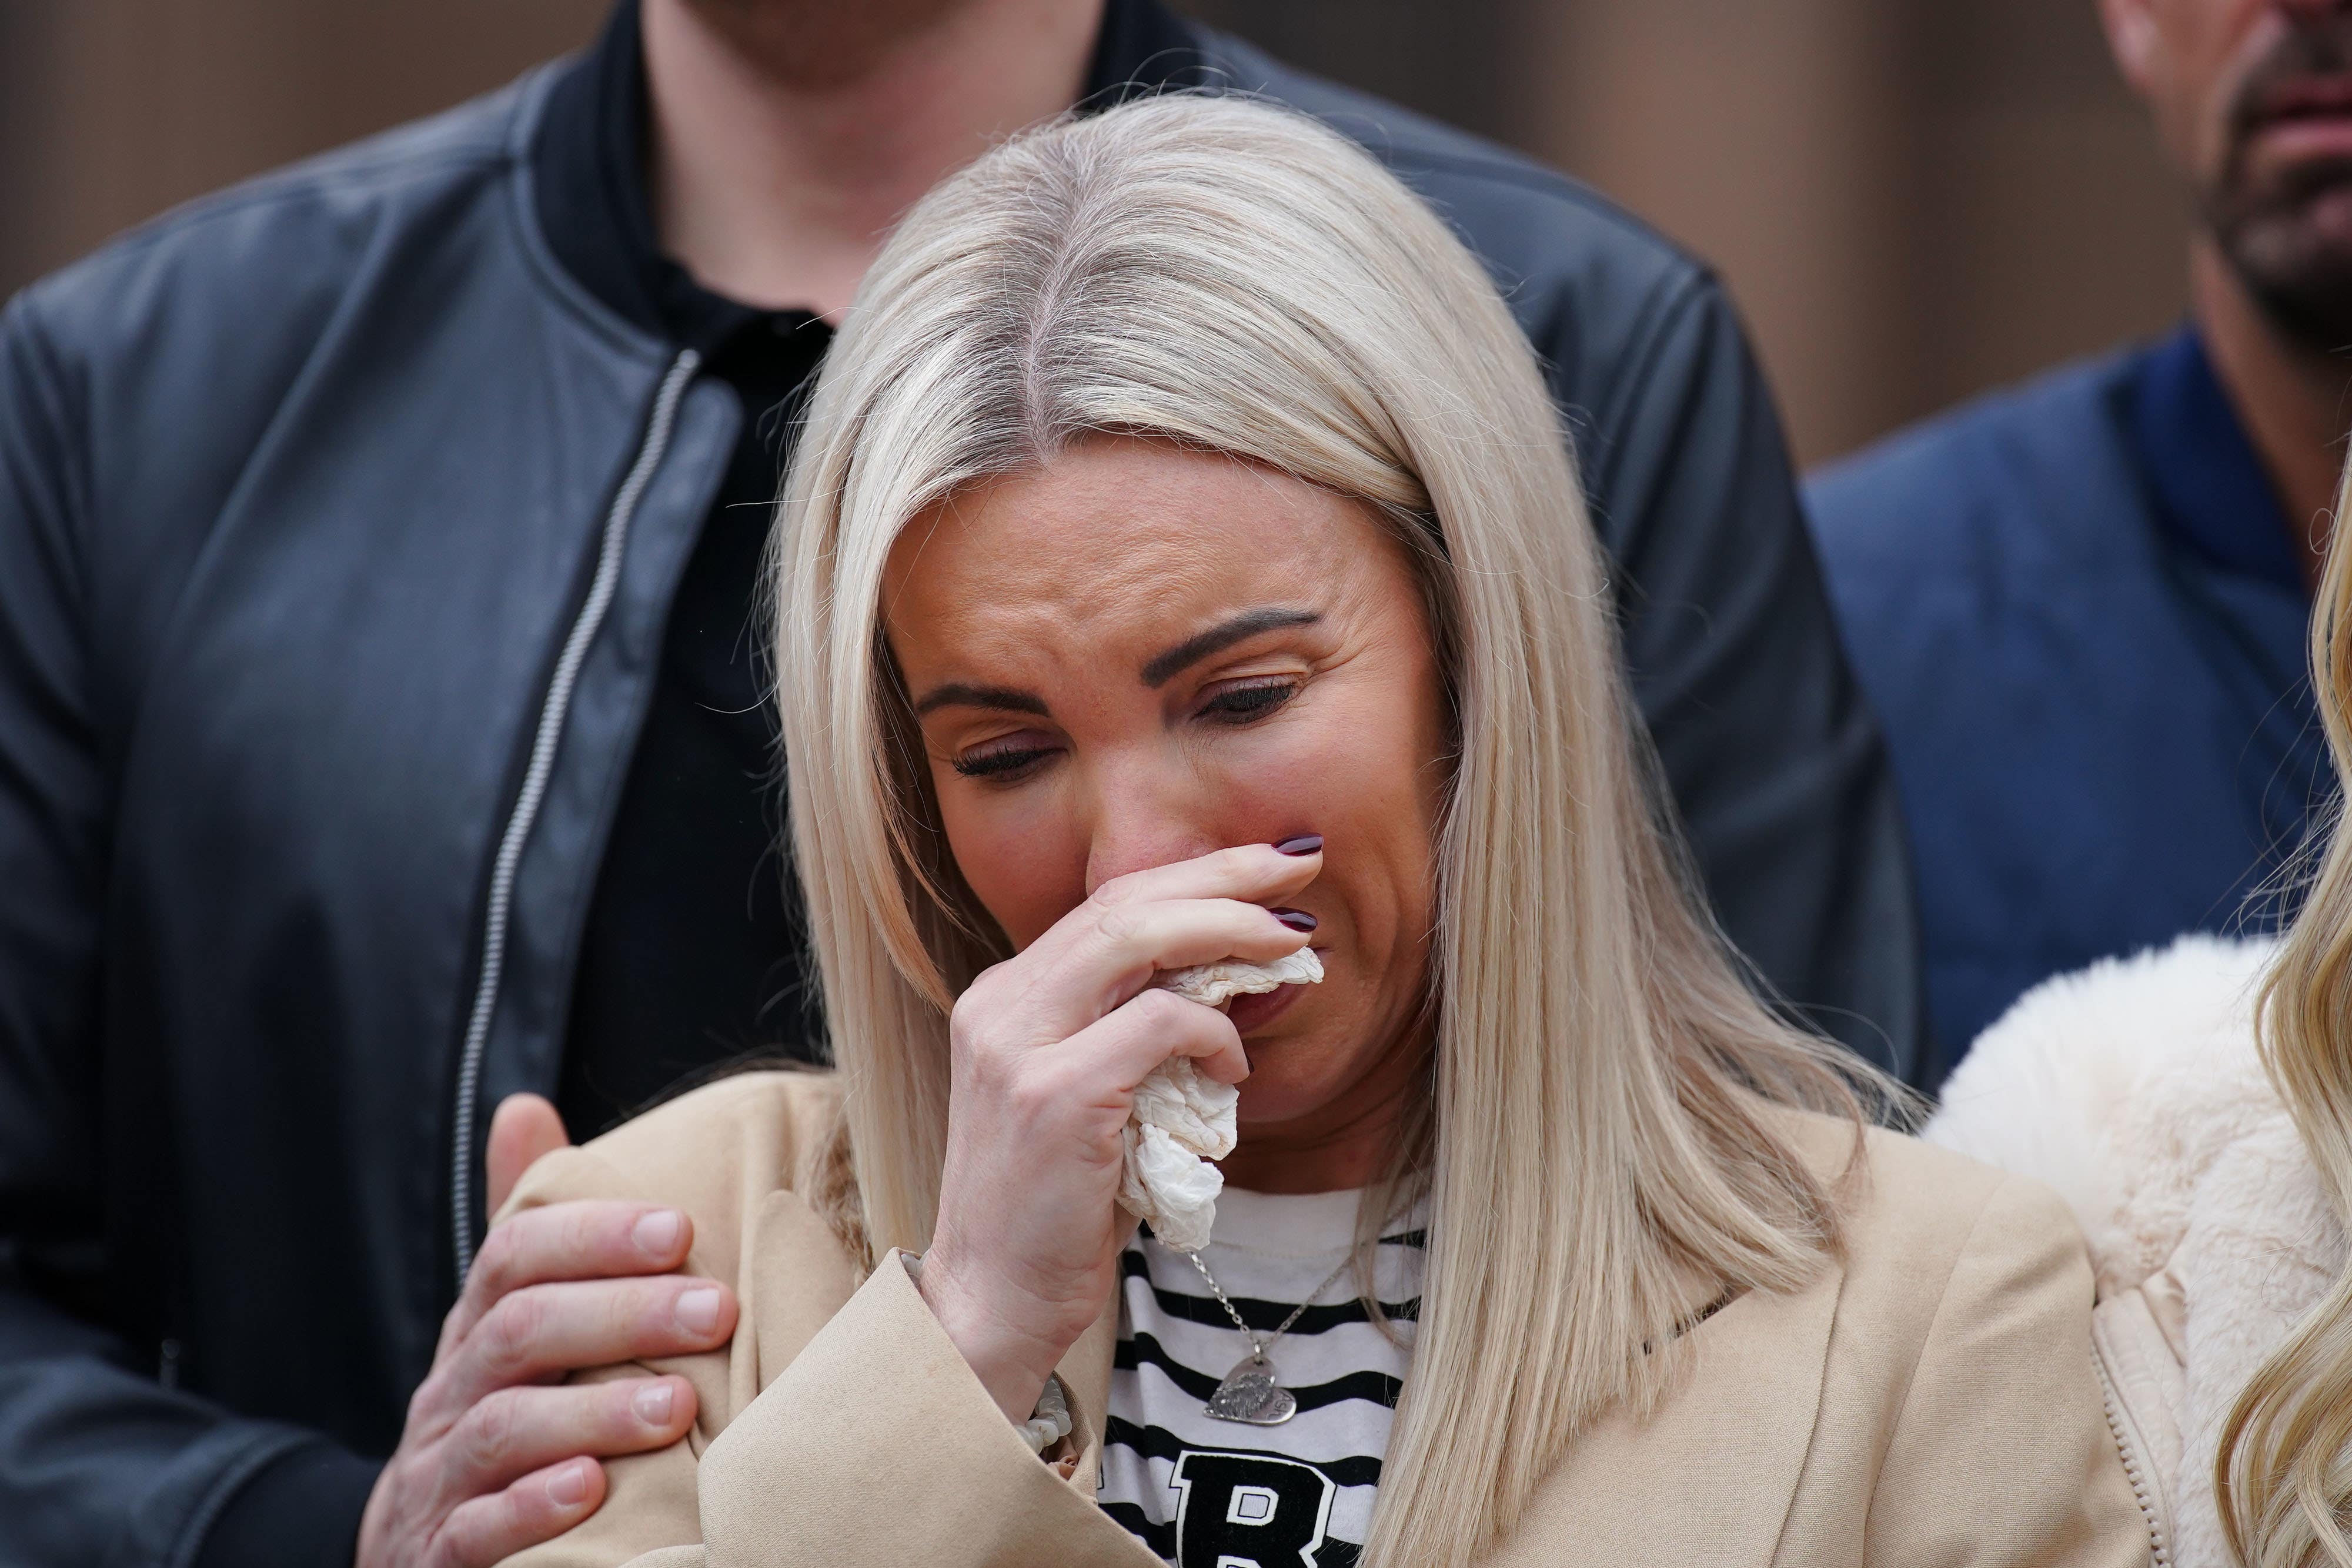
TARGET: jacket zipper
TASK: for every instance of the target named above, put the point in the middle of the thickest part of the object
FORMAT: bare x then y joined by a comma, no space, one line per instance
544,741
2136,1467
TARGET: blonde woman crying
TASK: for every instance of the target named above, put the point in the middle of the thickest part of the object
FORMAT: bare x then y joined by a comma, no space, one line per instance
2195,1106
1182,564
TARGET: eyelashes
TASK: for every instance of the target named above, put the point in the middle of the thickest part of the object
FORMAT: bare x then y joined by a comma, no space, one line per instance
998,764
1239,704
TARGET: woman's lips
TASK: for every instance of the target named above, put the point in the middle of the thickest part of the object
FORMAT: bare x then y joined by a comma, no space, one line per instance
1257,1010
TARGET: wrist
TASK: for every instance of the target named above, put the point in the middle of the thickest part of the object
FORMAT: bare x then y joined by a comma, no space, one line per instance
994,1331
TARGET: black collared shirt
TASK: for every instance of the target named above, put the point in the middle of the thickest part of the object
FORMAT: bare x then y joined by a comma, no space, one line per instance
694,954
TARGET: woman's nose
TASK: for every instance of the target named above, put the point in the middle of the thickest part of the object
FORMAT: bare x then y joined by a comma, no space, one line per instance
1138,824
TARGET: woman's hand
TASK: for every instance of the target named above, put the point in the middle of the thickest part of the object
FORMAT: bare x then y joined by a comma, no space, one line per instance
1048,1048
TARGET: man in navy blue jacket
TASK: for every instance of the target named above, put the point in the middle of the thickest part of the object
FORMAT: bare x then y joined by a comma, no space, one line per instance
2080,605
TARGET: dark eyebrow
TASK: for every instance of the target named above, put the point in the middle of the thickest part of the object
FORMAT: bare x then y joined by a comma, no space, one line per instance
1195,648
955,694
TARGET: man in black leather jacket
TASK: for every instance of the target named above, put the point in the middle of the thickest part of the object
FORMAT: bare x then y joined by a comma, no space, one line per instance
378,739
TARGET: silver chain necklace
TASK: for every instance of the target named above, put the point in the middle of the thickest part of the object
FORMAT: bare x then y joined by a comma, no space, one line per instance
1249,1393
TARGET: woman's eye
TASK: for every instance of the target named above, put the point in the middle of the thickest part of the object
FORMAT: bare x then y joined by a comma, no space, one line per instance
1240,704
1004,763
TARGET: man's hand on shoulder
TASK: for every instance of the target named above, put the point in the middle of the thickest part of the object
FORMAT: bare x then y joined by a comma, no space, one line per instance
498,1454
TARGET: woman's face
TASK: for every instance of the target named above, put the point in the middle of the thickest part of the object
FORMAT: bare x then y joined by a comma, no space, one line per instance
1141,654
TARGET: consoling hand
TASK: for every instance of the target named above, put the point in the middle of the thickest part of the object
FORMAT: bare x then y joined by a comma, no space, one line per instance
1048,1047
494,1456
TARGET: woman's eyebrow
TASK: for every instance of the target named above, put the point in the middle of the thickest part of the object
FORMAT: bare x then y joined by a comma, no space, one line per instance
956,694
1193,649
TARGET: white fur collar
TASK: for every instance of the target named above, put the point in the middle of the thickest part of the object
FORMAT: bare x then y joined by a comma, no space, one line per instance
2135,1089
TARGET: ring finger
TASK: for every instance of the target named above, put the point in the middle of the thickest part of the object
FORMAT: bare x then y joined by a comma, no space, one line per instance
515,1431
547,1330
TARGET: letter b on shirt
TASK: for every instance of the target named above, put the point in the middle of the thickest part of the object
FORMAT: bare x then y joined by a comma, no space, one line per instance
1249,1510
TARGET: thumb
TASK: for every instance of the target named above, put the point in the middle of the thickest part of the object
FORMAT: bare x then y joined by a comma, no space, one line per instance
524,1127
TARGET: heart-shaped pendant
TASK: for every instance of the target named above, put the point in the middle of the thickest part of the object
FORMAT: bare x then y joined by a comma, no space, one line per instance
1250,1394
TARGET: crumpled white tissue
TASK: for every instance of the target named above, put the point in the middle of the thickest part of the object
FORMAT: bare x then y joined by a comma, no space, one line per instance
1182,1118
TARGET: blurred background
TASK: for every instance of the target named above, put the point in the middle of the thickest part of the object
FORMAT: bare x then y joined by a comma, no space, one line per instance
1911,200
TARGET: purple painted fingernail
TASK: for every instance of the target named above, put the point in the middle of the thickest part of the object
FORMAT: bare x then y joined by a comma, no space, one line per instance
1296,919
1304,844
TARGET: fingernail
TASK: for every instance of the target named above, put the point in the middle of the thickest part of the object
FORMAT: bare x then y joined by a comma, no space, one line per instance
698,1311
657,1234
1296,919
654,1403
1304,844
568,1487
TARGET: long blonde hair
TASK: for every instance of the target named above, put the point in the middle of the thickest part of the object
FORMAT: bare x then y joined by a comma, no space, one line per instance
2283,1471
1234,276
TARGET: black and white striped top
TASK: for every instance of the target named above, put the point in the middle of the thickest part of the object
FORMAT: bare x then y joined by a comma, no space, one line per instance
1201,1491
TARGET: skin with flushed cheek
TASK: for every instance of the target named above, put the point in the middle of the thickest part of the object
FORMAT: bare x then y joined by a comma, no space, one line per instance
1141,654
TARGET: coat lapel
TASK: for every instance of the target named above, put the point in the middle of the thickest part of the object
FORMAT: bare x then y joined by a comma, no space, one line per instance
1708,1477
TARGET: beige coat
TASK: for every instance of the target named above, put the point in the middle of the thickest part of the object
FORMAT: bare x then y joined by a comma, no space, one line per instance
2135,1089
1929,1402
